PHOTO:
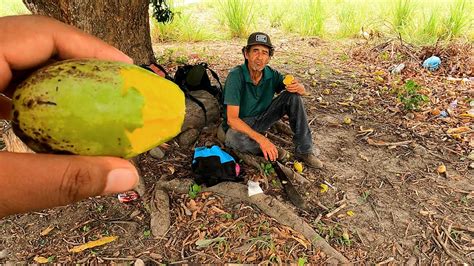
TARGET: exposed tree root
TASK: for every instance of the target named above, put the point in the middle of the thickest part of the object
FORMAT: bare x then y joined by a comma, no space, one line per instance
269,205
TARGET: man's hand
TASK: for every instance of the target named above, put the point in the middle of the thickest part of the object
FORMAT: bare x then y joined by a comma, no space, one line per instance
269,149
296,87
36,181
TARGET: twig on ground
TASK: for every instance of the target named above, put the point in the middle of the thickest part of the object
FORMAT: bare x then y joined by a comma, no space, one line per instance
406,230
232,225
448,236
322,206
336,210
320,215
119,259
452,254
464,228
372,205
400,143
386,261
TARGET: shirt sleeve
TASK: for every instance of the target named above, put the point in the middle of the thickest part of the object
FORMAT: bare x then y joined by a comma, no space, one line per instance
233,87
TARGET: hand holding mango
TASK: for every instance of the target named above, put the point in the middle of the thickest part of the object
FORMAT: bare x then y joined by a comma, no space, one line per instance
292,85
38,181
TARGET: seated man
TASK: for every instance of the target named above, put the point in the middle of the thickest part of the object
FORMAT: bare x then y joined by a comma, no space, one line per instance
250,109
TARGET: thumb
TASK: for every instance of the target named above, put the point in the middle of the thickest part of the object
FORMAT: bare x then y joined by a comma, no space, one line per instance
37,181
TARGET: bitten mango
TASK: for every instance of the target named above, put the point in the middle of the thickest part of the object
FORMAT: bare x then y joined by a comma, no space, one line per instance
93,107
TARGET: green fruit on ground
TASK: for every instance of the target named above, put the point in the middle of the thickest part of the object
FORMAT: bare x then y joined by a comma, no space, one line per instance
92,107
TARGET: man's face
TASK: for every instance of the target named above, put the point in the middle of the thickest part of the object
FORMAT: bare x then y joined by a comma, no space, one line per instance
258,57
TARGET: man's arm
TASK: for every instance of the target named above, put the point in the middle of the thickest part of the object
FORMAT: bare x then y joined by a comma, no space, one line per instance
269,150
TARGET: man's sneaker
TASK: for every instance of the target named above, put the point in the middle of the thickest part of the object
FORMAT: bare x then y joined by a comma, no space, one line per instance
283,155
310,160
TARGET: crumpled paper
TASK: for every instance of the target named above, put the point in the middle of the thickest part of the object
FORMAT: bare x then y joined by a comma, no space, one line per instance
254,188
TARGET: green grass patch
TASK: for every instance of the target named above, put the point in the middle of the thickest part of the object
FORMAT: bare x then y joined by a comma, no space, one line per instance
311,19
402,14
13,7
410,96
187,25
238,15
350,19
457,19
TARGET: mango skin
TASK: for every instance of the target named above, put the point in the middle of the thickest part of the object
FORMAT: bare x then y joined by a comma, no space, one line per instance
97,108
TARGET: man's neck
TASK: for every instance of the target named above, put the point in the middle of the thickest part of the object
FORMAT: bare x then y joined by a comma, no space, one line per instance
255,75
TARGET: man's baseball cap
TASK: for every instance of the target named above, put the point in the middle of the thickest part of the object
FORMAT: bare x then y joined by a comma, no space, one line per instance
259,38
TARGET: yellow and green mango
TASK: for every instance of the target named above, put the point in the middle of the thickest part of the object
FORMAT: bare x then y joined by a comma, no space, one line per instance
93,107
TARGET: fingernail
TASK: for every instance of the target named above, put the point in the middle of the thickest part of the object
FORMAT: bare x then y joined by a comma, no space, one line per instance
120,180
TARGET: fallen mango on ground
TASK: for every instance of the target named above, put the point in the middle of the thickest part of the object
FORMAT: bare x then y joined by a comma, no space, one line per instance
92,107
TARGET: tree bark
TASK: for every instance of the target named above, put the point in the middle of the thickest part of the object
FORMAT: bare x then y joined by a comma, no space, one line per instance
121,23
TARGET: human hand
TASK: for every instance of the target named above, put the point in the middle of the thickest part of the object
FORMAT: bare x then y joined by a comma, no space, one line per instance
269,149
37,181
296,87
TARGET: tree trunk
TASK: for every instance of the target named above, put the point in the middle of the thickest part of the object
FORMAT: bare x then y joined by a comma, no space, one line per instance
121,23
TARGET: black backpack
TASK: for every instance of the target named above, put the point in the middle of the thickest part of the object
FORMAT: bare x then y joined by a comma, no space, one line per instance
195,77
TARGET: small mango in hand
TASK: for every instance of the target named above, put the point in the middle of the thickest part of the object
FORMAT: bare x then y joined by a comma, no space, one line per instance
288,80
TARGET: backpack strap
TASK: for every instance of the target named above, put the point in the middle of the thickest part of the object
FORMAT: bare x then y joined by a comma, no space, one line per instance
213,73
160,67
215,76
163,71
196,100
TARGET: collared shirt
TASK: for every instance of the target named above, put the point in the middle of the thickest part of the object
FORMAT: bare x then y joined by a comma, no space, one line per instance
252,99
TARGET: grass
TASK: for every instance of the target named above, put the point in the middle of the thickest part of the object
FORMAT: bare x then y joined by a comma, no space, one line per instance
350,20
418,21
457,18
239,16
402,14
428,31
13,7
186,25
312,18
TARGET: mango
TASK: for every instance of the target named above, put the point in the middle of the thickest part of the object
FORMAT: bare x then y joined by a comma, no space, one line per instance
288,79
298,167
96,108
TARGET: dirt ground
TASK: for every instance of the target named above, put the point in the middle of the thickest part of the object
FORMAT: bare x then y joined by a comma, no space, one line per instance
382,167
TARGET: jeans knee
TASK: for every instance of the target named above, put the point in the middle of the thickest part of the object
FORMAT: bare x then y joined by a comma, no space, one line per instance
292,98
240,142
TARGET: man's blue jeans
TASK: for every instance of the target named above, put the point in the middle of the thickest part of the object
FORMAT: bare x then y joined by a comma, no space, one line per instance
286,103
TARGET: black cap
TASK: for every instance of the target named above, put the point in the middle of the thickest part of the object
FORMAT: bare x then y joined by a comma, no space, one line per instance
259,38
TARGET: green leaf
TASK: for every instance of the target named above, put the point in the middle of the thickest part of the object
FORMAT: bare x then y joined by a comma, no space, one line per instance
202,243
301,261
194,191
227,216
147,233
196,188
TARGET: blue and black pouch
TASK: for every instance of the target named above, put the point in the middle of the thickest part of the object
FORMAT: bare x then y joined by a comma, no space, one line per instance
213,165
